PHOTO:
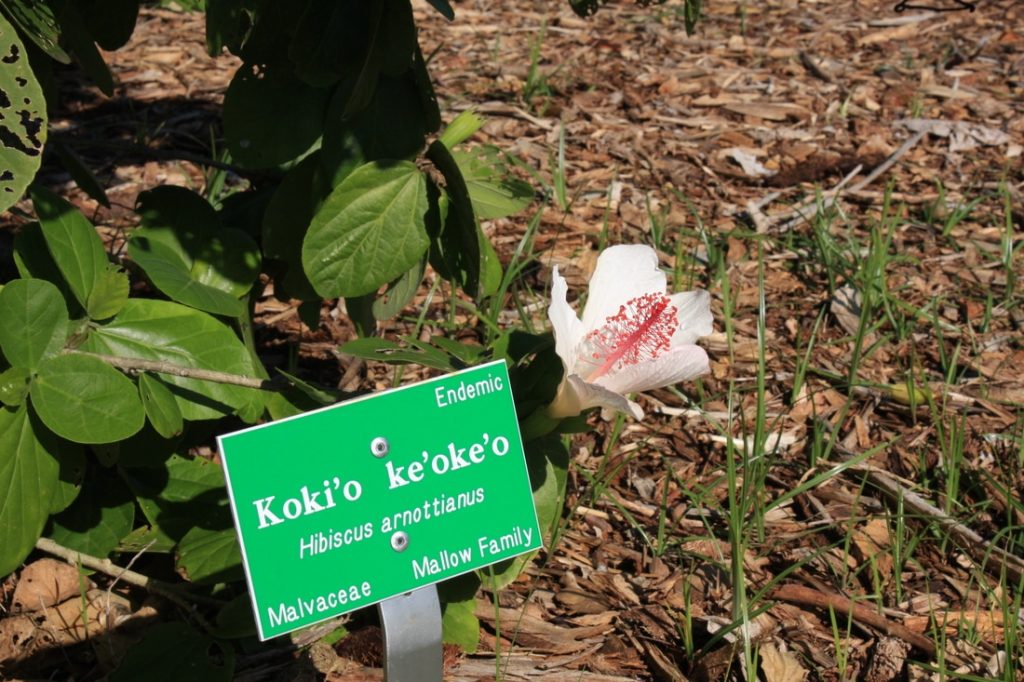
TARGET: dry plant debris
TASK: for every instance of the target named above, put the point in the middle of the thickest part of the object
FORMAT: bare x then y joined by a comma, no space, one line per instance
852,172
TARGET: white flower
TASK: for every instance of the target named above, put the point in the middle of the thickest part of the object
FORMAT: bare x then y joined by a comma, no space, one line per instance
633,336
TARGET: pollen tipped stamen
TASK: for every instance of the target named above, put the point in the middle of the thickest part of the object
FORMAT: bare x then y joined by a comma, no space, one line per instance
640,331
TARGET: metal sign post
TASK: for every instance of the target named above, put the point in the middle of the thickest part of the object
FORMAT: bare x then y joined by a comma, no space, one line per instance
412,636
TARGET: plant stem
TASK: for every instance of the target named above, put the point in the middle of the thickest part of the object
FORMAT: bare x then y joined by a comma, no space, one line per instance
108,567
162,367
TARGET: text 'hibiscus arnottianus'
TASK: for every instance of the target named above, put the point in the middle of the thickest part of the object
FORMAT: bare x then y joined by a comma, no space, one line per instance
633,335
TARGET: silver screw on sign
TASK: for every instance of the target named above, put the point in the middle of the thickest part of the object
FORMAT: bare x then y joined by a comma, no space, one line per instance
399,541
379,446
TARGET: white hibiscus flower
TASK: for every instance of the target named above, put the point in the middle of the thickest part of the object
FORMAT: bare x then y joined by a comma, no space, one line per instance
633,336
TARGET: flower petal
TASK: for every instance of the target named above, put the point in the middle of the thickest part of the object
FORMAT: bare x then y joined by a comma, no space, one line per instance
678,364
623,273
576,395
694,312
567,327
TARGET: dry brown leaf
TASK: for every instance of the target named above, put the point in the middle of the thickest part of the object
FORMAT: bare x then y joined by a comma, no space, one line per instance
780,666
44,583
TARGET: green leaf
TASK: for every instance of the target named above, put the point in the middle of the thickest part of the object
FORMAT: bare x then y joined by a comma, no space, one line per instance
28,480
467,353
322,396
14,383
491,273
235,619
171,652
111,22
369,231
457,243
359,310
160,406
331,40
286,221
79,172
162,261
145,539
228,22
147,448
391,125
396,38
386,350
210,556
33,322
76,37
547,462
71,458
399,292
463,127
444,8
34,261
109,293
95,522
425,90
38,22
86,400
23,126
162,330
494,191
271,117
288,403
459,624
72,241
183,494
189,256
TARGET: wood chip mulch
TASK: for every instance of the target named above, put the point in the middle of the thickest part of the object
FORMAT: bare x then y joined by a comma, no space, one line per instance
707,147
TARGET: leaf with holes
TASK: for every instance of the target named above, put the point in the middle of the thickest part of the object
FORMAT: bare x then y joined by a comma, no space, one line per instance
22,118
33,322
369,231
38,21
86,400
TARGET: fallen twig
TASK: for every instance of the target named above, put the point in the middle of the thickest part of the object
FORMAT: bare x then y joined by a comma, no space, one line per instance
807,596
980,550
787,221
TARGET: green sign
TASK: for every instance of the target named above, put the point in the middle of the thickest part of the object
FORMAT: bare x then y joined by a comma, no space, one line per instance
343,507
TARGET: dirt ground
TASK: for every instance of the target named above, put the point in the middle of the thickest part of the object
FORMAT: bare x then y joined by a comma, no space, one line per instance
715,149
